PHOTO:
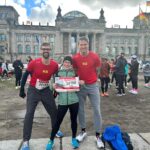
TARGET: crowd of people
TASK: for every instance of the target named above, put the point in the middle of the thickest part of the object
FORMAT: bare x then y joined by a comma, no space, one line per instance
121,72
95,75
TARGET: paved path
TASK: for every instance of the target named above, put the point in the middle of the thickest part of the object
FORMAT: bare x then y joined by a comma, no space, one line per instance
140,142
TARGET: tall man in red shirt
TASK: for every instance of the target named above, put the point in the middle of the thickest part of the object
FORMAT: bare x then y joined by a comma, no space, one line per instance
87,65
41,70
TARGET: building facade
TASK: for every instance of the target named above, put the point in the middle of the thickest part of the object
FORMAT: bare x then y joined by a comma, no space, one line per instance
24,40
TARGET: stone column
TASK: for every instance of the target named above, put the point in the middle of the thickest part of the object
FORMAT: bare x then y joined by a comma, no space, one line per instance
23,46
102,43
31,43
94,43
69,43
8,41
77,40
61,42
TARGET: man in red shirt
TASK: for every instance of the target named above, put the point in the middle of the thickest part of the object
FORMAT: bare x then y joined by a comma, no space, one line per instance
41,70
87,65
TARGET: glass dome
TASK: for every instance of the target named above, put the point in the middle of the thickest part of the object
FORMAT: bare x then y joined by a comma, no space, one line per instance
74,14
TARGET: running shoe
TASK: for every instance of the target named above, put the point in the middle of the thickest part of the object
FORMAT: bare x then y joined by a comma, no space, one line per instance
50,145
25,146
75,143
81,136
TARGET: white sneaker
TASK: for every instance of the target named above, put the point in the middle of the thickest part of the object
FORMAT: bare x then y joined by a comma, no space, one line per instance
99,142
123,94
16,87
81,136
119,94
134,92
146,85
131,91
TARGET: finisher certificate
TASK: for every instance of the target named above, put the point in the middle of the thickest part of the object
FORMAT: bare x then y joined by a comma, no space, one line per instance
67,84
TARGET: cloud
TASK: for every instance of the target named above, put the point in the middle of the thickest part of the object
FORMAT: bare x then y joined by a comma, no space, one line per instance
19,2
42,14
113,4
37,2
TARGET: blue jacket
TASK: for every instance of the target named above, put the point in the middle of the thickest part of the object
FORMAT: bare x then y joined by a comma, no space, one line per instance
113,135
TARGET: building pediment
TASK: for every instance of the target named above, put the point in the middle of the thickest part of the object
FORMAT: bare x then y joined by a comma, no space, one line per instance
81,23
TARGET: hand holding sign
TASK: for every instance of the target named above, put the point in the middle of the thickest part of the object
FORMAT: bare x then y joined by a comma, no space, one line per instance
66,84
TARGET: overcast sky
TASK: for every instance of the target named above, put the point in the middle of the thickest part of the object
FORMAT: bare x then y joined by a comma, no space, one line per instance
120,12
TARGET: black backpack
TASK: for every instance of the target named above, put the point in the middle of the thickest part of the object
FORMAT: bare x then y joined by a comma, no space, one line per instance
127,140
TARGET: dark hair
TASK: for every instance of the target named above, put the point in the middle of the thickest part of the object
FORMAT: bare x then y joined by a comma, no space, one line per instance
45,44
68,58
84,38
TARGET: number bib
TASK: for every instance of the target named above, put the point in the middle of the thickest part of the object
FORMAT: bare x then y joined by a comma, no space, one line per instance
41,84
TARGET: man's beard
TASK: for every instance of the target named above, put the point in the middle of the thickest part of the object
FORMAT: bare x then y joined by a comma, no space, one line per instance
46,55
84,52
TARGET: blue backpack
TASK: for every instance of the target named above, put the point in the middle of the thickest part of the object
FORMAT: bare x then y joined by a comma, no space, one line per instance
113,135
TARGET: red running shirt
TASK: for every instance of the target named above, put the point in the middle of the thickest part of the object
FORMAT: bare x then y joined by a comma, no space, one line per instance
42,72
86,66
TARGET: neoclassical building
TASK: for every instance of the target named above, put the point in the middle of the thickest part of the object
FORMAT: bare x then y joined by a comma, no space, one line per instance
24,40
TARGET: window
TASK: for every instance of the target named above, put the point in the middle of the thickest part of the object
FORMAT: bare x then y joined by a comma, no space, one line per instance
20,49
28,49
149,51
19,38
36,49
2,37
27,38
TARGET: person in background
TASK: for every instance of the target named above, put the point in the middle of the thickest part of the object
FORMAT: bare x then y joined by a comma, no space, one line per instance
120,73
66,100
129,73
1,69
18,68
112,71
134,74
4,70
29,58
146,72
87,66
126,74
104,77
41,70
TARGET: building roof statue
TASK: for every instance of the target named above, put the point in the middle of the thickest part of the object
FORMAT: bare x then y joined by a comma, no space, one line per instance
59,16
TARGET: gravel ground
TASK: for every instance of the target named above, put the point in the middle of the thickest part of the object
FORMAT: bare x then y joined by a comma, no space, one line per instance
131,112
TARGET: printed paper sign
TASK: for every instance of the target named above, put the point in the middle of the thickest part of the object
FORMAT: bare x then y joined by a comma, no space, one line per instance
41,84
66,84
